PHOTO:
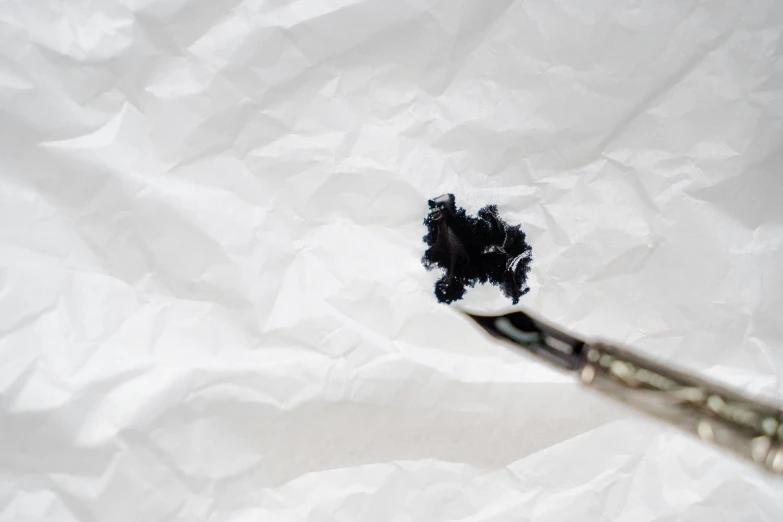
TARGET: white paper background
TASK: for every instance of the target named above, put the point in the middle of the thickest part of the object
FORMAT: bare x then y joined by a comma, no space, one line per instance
211,302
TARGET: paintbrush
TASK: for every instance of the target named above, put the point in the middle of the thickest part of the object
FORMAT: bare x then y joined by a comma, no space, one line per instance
486,249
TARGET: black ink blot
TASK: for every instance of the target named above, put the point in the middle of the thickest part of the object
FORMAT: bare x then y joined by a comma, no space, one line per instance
474,250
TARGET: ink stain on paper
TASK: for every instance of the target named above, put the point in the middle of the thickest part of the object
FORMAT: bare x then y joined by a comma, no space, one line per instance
471,250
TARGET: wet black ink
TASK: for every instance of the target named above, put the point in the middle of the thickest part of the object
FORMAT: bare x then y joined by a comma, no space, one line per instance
470,250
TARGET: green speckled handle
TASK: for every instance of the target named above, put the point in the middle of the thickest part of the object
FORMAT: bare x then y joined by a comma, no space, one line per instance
722,417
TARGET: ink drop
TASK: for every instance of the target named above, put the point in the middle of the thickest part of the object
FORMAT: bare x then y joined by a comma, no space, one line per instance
470,250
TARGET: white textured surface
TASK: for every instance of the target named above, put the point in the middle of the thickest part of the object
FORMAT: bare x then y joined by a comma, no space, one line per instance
211,302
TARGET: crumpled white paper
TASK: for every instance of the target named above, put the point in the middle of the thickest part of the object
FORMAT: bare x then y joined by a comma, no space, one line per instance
211,302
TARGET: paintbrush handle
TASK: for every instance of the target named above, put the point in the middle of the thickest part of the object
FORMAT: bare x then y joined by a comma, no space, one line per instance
730,420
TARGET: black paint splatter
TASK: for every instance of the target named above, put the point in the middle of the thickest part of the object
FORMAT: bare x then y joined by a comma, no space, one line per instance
474,250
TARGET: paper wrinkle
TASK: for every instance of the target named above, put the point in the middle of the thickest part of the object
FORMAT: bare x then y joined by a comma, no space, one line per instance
212,305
